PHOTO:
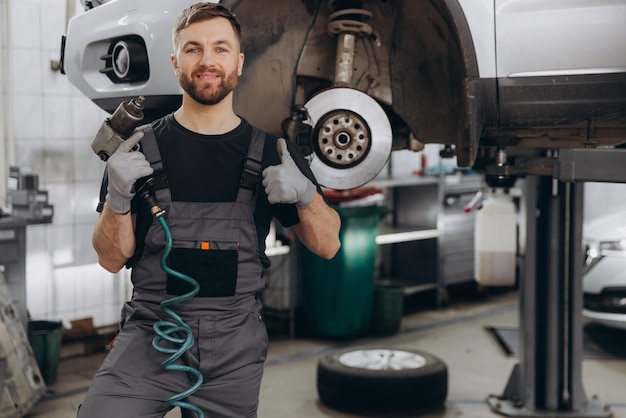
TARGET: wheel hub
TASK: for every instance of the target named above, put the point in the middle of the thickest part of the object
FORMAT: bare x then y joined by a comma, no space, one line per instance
352,138
382,359
343,139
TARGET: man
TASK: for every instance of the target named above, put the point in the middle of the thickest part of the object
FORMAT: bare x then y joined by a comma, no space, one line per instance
219,217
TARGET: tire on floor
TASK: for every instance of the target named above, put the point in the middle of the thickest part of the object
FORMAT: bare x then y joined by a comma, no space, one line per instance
382,381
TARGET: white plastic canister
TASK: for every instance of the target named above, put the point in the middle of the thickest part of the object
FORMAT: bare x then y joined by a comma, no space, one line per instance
495,240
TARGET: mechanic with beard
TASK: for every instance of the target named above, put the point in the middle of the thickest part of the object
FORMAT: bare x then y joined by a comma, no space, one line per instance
219,214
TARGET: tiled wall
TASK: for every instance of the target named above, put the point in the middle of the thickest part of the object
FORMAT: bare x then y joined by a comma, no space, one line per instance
53,126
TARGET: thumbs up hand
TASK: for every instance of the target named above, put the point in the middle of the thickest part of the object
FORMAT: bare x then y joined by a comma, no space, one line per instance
285,183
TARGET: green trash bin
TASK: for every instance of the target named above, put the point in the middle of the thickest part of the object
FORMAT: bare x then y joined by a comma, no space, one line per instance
45,339
337,294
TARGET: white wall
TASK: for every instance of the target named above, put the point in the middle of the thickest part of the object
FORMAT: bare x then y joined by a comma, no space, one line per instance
53,126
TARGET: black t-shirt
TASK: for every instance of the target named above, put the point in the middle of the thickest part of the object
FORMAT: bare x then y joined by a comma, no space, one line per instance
208,168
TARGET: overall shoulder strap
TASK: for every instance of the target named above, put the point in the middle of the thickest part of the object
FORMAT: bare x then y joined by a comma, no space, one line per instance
150,148
103,191
252,167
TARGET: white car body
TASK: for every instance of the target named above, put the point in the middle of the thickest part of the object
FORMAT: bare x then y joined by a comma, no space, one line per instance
518,38
527,37
604,278
468,74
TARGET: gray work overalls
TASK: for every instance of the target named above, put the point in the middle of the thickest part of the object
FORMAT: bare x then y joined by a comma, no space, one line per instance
230,336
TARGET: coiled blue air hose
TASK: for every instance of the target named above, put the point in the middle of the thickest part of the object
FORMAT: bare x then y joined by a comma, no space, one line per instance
165,330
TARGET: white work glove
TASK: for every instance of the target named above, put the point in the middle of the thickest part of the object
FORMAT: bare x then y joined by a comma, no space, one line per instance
285,183
124,168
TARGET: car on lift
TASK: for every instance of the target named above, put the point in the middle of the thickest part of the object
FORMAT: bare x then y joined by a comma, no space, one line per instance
604,277
352,80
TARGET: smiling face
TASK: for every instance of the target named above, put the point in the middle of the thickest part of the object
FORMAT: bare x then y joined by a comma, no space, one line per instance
207,60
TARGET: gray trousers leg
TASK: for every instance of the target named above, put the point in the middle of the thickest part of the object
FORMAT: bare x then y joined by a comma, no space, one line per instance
230,350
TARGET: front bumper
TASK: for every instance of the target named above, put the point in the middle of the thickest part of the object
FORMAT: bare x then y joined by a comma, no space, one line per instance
604,291
612,320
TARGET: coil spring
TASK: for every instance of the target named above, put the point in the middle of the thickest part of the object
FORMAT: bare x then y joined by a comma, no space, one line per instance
167,330
350,20
334,5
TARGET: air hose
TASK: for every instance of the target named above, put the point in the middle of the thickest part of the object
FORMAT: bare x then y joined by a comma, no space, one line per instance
168,330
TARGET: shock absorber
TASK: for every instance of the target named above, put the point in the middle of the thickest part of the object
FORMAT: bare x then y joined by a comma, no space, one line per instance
347,22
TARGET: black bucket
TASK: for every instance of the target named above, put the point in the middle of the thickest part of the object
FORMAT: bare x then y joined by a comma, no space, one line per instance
388,307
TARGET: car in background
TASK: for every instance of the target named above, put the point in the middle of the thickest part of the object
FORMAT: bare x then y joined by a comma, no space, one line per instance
604,274
349,81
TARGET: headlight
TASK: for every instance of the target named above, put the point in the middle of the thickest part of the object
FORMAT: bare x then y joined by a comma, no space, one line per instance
591,256
595,251
608,248
611,299
592,250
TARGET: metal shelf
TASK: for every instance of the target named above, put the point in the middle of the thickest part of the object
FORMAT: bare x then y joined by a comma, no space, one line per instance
414,238
277,250
393,235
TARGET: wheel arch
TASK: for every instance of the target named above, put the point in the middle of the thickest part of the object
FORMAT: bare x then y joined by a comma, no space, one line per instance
435,76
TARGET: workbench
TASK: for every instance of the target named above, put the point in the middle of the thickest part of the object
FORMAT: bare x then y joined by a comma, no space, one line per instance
13,262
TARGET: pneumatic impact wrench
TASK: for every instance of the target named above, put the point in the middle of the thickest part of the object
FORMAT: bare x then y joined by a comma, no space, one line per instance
114,131
118,127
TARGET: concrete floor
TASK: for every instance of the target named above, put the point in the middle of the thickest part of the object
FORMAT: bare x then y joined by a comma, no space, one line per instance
476,364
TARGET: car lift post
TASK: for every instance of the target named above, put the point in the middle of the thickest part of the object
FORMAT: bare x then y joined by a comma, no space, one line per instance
547,380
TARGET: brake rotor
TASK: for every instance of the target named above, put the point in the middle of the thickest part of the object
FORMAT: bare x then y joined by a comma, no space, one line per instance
351,138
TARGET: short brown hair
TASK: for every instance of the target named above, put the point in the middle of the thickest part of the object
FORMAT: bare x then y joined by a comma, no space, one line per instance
204,11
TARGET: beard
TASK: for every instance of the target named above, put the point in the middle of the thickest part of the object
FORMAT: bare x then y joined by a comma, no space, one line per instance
210,94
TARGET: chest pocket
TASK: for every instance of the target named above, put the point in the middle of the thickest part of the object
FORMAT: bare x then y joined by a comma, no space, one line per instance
211,259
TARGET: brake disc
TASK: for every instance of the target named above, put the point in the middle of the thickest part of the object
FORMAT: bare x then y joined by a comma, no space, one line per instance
351,138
